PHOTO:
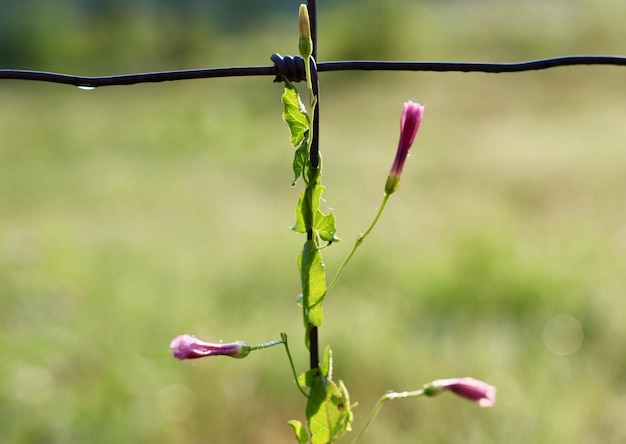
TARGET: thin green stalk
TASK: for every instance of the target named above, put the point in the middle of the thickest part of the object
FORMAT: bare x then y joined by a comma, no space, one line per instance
386,397
267,344
309,81
312,106
293,367
375,410
359,240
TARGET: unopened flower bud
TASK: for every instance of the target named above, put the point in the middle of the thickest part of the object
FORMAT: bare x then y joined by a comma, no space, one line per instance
305,45
189,347
412,115
477,391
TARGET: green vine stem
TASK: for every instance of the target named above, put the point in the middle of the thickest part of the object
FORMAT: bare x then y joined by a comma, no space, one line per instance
386,397
359,240
293,367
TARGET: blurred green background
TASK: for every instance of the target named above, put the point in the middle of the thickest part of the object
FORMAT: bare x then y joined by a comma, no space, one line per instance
130,215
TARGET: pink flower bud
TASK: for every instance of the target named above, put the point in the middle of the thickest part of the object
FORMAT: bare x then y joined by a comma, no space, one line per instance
188,347
412,115
477,391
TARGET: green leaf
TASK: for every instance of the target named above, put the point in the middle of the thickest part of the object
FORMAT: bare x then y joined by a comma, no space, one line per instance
328,409
300,226
348,416
306,379
308,205
299,126
323,224
326,364
313,277
295,115
301,434
300,159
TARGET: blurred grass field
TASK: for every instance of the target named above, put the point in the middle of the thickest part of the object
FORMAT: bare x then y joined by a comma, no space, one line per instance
129,215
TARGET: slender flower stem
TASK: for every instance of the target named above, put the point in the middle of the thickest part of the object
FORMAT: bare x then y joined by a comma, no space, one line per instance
267,344
386,397
403,395
359,240
293,367
375,410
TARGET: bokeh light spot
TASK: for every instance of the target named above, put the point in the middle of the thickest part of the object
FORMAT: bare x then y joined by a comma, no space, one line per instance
563,334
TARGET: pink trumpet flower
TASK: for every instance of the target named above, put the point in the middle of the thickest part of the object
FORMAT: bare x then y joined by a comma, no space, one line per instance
477,391
189,347
412,115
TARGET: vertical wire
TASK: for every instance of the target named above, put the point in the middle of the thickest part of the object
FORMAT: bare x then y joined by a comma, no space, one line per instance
314,154
312,7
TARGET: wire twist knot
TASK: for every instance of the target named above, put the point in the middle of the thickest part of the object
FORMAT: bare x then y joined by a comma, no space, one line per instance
290,68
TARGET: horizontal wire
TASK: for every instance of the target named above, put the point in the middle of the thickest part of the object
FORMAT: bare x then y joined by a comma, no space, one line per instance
359,65
531,65
132,79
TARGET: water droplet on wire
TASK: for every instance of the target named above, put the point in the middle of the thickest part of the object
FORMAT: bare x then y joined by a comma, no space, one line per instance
86,87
